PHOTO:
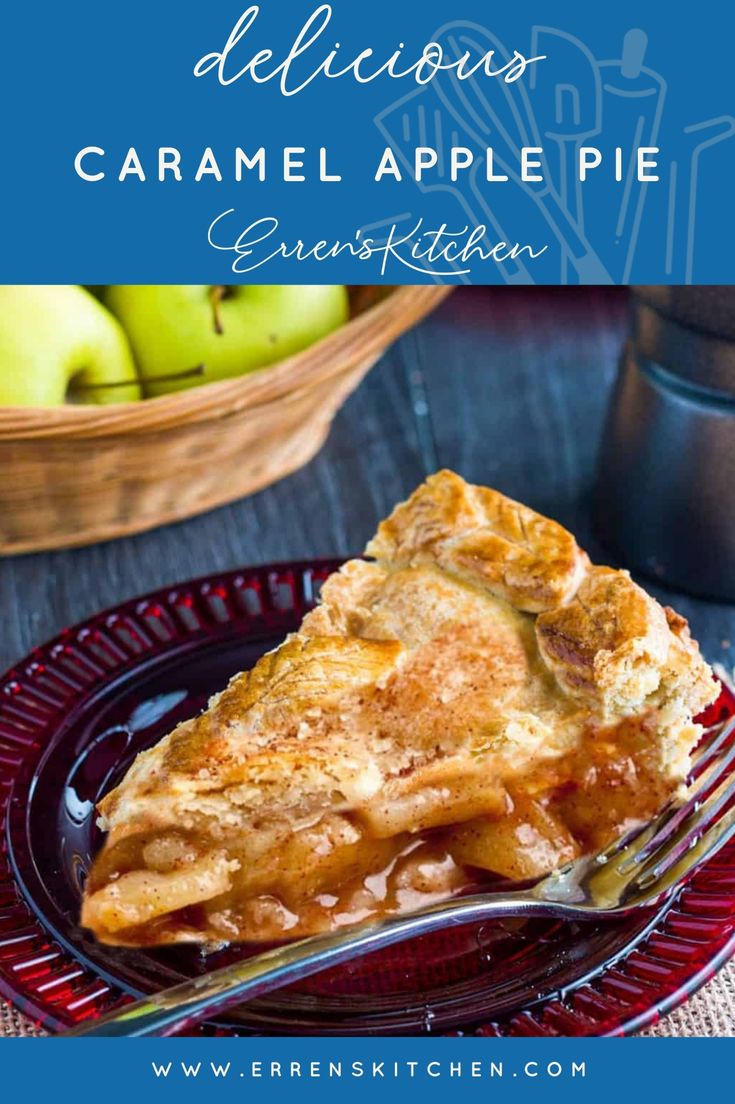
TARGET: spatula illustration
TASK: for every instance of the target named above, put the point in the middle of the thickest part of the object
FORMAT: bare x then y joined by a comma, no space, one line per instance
494,113
566,96
418,119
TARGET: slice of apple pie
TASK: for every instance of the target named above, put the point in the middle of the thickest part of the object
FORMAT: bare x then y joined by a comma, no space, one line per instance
477,697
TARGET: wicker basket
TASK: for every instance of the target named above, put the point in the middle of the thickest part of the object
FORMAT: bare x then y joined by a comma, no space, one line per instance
72,475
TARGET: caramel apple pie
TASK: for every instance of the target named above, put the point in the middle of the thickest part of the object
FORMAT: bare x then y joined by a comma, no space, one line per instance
474,699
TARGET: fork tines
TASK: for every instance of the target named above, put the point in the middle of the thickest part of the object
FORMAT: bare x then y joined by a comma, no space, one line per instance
692,829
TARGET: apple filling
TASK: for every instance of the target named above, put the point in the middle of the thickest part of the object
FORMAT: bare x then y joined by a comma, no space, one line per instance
390,857
478,701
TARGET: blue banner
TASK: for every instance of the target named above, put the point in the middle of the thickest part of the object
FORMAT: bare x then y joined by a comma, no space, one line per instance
518,1070
384,143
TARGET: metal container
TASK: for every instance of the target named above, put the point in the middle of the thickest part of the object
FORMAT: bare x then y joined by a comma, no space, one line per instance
665,495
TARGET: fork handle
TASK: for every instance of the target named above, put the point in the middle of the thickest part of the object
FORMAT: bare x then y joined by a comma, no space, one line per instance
184,1005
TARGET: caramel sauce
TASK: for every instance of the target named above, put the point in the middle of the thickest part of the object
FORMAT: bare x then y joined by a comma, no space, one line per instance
421,873
324,878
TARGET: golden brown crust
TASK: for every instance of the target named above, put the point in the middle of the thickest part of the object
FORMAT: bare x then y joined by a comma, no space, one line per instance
261,747
420,693
480,535
613,645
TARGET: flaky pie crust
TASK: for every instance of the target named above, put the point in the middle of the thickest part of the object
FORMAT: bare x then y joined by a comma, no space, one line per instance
477,667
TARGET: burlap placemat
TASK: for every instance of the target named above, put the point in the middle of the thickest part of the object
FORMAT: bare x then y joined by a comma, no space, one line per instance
12,1023
710,1013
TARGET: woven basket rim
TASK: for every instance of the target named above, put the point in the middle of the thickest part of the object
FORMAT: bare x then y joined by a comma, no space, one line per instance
368,333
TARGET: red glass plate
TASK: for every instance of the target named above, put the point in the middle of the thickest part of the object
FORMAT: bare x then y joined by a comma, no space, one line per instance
74,714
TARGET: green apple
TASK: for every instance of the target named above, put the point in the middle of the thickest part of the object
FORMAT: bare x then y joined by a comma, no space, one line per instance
57,342
187,334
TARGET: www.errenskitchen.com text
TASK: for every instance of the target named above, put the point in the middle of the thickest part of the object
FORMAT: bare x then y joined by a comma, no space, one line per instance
404,1069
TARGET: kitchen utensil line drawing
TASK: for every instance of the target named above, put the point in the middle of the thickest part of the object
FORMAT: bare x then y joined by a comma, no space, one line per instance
407,122
724,128
571,116
408,118
633,99
516,129
597,225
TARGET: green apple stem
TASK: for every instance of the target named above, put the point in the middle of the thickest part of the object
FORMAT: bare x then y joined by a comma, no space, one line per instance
190,373
217,293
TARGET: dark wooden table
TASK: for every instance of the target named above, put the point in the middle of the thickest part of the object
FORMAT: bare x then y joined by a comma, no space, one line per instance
507,386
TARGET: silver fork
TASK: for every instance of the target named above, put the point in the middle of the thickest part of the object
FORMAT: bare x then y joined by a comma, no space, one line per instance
641,869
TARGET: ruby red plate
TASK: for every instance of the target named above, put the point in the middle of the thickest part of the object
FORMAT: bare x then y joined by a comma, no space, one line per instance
74,714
